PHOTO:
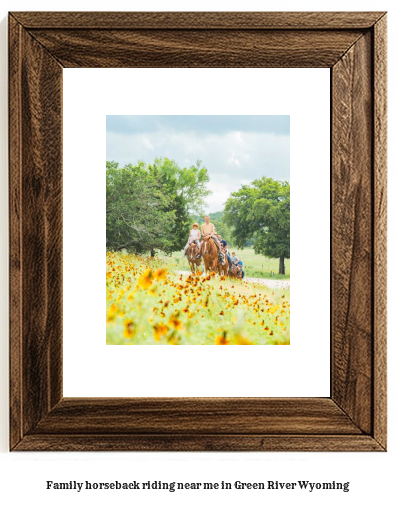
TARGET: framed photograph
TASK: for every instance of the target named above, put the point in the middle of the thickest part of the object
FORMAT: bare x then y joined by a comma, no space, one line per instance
208,120
197,255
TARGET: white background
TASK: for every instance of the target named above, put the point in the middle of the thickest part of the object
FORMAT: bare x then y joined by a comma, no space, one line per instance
372,475
91,368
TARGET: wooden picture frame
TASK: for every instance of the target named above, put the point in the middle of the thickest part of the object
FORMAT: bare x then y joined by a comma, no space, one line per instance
353,46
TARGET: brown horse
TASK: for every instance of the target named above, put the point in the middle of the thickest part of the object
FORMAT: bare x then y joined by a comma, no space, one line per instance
191,254
236,272
209,253
223,268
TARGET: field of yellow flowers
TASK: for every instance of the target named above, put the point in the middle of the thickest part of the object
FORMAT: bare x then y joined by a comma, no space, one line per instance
149,303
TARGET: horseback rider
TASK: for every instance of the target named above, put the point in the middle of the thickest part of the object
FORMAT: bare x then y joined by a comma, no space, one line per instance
240,264
194,237
237,263
208,229
234,258
225,248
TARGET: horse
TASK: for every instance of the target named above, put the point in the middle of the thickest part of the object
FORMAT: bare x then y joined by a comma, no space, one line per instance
209,252
236,272
191,254
223,268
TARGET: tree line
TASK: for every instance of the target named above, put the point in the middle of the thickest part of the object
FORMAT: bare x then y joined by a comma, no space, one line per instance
150,207
261,211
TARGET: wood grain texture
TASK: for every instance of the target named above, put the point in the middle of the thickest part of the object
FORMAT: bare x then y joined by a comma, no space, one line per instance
127,416
41,231
352,233
196,48
199,443
202,20
36,190
354,419
380,230
15,231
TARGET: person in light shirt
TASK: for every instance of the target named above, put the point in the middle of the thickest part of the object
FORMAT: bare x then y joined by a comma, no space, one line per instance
194,237
234,258
208,229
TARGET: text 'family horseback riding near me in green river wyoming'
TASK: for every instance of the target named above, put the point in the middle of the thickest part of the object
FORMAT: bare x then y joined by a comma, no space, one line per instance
198,230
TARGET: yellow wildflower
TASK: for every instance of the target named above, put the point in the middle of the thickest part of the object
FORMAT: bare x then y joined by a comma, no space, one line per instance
112,312
129,328
146,279
240,340
159,331
221,339
161,273
175,322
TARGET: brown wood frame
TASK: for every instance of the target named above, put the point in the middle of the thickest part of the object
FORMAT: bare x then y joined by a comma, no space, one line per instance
353,46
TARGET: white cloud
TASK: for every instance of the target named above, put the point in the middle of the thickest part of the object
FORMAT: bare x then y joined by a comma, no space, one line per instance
147,143
232,158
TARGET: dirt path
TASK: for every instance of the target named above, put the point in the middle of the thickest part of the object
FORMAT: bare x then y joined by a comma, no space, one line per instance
269,282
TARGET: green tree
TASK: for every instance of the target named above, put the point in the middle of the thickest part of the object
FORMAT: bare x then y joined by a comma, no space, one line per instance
186,189
138,217
222,228
262,210
160,199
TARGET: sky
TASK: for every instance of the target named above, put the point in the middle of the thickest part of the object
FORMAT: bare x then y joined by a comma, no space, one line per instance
235,149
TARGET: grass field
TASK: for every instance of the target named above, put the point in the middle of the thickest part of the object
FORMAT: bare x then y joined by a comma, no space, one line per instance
149,303
256,266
